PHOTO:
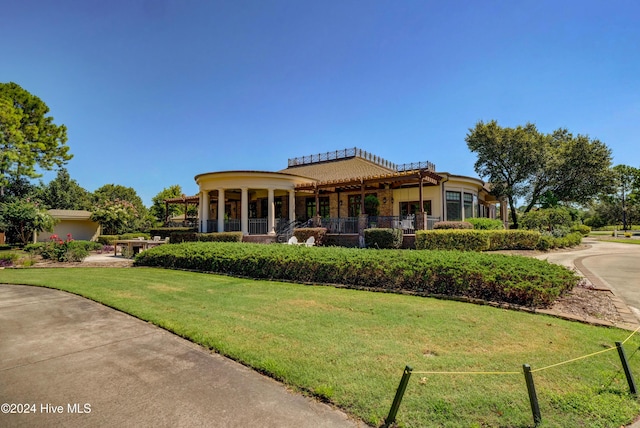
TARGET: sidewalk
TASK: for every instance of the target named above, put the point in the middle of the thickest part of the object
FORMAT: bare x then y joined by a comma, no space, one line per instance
78,363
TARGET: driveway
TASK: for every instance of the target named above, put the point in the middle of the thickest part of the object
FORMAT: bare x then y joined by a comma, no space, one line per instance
71,362
606,264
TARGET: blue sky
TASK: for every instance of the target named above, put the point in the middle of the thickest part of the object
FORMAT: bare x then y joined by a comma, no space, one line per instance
154,92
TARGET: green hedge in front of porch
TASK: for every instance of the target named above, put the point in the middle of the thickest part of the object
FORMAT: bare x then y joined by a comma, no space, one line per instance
490,277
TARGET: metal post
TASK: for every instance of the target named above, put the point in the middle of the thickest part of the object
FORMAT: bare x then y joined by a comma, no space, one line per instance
398,398
625,366
533,398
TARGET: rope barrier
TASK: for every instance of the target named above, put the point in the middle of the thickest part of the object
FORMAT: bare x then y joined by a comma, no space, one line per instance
532,371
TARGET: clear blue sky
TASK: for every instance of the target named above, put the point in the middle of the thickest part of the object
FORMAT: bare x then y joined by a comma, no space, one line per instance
154,92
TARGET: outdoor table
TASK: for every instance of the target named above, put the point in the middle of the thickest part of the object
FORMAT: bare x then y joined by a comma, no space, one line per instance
142,244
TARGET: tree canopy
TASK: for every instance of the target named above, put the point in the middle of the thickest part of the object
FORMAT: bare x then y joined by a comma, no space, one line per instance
158,208
28,137
523,163
64,193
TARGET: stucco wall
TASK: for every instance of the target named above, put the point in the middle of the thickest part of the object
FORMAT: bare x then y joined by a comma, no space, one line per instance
82,230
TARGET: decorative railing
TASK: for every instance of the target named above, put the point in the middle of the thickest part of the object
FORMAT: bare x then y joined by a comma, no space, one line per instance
409,224
356,152
257,226
340,225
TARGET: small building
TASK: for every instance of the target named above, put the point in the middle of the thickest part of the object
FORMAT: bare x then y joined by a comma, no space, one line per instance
76,223
330,190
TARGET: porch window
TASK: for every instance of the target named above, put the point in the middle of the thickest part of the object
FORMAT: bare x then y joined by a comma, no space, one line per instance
454,206
407,208
323,208
354,205
468,205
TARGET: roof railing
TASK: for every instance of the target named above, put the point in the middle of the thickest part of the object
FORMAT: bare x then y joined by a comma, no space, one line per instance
356,152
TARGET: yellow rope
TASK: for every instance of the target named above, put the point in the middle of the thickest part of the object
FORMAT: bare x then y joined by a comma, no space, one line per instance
631,335
532,371
469,373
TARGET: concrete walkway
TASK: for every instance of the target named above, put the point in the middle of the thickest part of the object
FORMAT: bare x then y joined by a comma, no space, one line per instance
78,363
608,265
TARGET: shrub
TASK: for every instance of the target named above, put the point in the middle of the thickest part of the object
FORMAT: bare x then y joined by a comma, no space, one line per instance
462,240
165,232
65,251
4,247
8,259
453,225
547,220
304,233
107,239
581,228
548,242
492,277
512,239
134,235
383,238
191,236
627,234
486,223
34,248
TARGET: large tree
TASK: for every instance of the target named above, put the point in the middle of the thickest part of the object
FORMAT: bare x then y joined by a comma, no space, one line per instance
64,193
159,209
126,199
28,137
522,163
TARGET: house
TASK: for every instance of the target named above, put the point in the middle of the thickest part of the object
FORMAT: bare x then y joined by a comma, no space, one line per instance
330,190
76,223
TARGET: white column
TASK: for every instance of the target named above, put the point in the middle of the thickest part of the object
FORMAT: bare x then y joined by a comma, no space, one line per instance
201,226
205,200
220,210
292,205
271,214
244,211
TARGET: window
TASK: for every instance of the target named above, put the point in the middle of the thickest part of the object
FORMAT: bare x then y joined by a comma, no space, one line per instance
454,206
354,205
413,207
323,209
468,205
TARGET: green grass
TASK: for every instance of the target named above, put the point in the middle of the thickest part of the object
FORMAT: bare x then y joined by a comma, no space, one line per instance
623,240
350,347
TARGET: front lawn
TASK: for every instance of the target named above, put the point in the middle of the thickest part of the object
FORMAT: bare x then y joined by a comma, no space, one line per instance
350,347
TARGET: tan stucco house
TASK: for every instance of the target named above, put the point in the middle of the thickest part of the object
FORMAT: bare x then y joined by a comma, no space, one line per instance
78,223
329,190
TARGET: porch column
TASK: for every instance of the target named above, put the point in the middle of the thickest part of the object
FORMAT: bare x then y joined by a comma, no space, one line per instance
205,208
220,210
244,211
201,227
271,215
292,205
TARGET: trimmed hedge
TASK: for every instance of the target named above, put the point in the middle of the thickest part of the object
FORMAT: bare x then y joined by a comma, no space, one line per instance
514,239
452,225
452,239
477,240
165,232
490,277
319,234
581,228
190,236
383,238
548,242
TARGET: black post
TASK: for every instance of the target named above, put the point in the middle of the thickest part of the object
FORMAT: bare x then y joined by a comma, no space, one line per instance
398,398
533,398
625,366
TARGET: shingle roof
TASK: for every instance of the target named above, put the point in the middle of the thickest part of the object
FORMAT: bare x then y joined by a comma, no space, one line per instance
343,169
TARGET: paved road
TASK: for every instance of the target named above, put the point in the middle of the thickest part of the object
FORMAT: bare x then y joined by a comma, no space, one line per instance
608,264
82,364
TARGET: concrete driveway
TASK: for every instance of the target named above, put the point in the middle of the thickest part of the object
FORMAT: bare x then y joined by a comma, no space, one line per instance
607,264
68,361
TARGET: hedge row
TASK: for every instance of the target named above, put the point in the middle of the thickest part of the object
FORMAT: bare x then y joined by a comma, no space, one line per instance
491,277
476,240
111,239
190,236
